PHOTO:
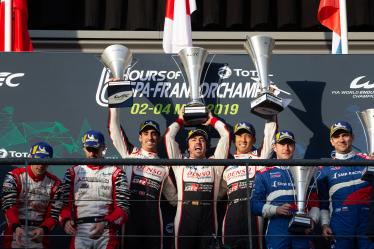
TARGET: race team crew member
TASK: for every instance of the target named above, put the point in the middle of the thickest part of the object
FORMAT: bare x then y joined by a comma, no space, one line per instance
344,196
235,223
198,186
274,198
146,184
96,199
30,193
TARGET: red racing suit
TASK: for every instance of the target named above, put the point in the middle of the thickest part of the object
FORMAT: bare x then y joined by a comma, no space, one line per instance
198,190
94,194
146,184
32,198
235,221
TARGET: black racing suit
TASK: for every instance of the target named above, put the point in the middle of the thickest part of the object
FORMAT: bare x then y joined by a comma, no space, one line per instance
146,183
235,224
198,190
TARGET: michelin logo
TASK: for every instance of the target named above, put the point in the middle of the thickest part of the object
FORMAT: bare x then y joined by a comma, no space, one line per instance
9,79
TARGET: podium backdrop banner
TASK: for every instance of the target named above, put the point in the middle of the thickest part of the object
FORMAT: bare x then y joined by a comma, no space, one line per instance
55,97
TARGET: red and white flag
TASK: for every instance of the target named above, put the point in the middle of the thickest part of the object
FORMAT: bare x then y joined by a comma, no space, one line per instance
177,27
333,15
20,38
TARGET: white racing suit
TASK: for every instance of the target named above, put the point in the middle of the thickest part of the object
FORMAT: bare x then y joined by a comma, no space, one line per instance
146,184
198,190
95,194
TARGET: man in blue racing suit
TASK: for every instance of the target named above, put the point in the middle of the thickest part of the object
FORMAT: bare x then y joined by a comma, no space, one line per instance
274,197
344,196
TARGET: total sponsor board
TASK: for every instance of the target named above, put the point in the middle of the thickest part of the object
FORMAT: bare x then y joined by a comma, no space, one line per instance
361,87
171,84
12,153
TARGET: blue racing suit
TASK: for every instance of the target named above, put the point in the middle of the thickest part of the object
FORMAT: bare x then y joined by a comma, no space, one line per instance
274,187
344,202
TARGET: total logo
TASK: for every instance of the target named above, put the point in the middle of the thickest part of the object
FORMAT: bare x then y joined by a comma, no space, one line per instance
226,72
11,153
10,79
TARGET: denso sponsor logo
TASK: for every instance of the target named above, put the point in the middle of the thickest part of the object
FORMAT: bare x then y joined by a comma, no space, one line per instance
361,82
194,174
152,170
9,79
235,173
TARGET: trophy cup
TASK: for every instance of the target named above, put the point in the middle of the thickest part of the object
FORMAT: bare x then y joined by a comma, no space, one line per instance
193,58
260,48
367,121
301,178
117,58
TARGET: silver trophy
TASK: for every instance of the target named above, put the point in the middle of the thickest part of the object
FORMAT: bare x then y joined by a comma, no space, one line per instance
117,58
260,49
193,59
367,121
302,177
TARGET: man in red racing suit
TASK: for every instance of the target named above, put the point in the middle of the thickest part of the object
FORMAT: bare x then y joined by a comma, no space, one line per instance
30,196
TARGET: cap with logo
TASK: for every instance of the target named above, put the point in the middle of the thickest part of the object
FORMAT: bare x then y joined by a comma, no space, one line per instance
244,127
93,139
41,150
283,136
149,124
197,132
340,126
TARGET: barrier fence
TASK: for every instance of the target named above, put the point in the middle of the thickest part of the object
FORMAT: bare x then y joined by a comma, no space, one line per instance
184,162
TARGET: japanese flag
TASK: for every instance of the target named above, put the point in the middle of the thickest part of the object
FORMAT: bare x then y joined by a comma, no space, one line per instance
177,27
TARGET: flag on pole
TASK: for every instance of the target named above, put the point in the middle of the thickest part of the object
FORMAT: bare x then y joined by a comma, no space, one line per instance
333,15
19,31
177,27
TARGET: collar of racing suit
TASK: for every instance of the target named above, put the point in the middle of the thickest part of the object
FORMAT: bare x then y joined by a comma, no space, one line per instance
148,153
344,156
33,176
95,167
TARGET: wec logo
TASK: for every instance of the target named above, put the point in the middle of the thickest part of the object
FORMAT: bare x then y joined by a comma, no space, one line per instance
9,78
359,82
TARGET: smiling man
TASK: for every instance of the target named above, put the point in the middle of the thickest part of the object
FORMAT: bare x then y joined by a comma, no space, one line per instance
198,186
238,185
147,183
344,196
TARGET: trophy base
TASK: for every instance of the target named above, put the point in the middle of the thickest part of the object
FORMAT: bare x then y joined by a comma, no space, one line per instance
368,174
120,94
195,115
266,106
299,224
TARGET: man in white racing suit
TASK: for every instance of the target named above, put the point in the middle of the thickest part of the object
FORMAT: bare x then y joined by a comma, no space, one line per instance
144,229
198,186
235,223
96,199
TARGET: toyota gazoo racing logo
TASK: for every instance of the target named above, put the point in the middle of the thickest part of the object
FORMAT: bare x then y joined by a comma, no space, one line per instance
10,79
12,153
361,82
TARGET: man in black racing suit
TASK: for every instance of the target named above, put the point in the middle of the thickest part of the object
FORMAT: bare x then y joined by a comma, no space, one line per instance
198,186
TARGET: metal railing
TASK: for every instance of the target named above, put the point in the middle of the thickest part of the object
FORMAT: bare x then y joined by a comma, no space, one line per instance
184,162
